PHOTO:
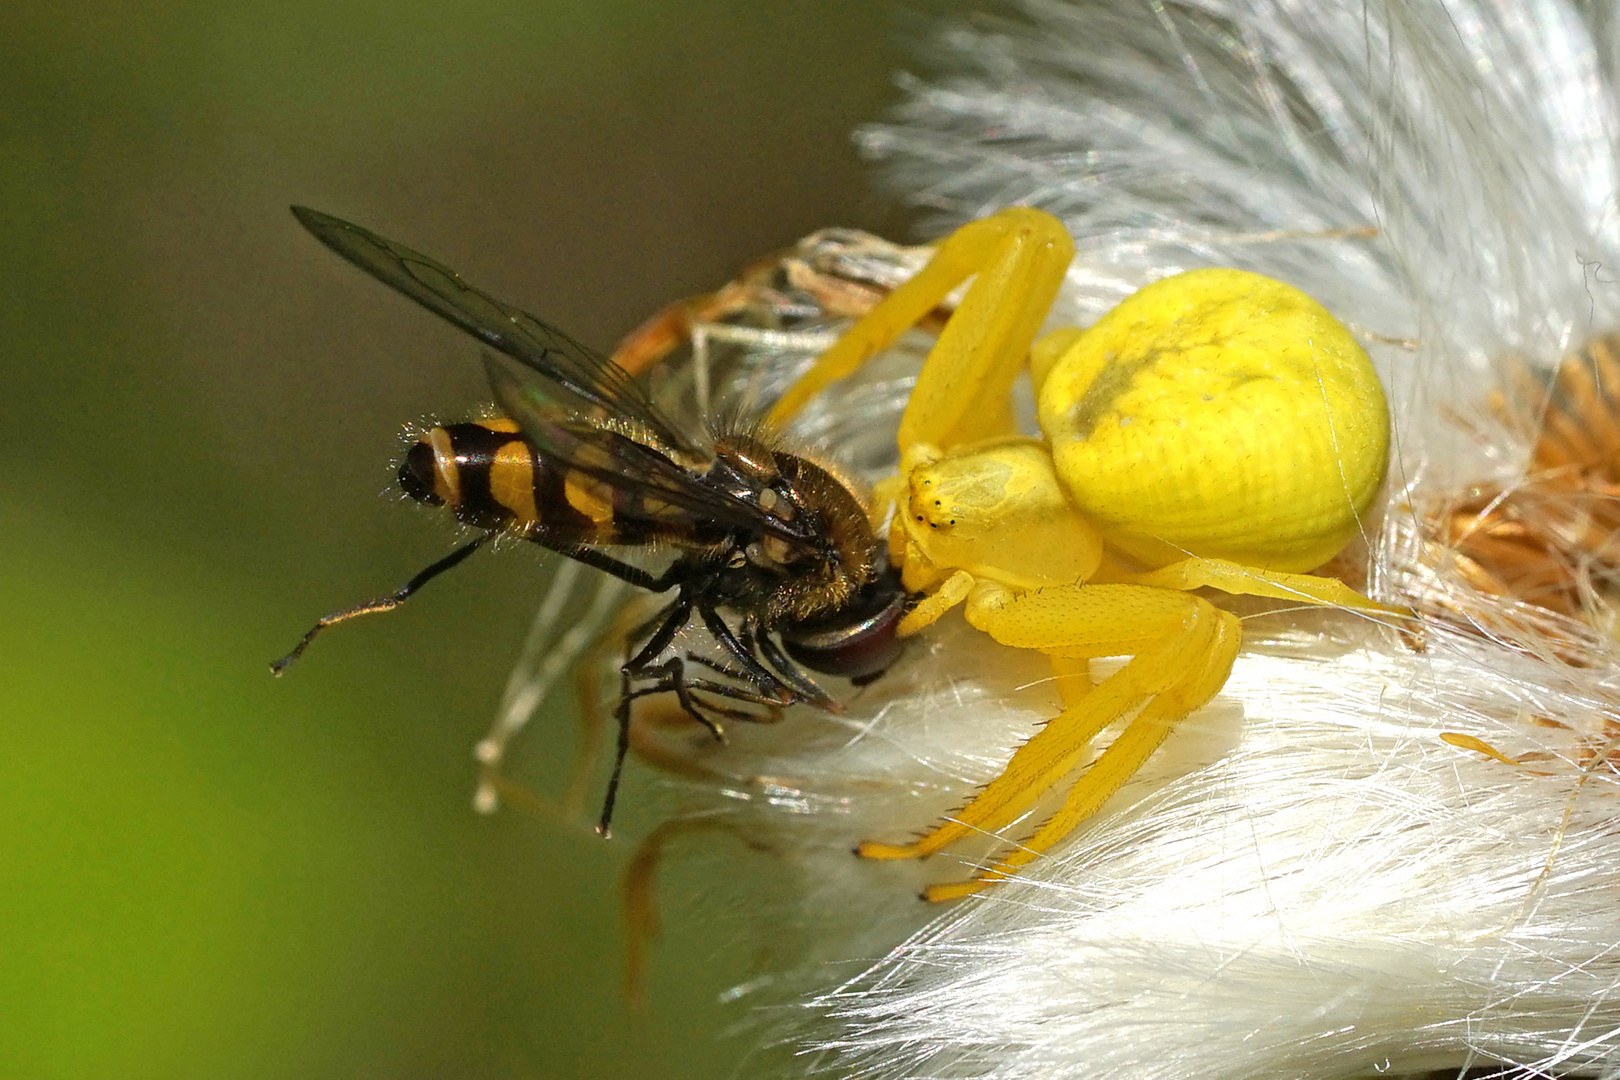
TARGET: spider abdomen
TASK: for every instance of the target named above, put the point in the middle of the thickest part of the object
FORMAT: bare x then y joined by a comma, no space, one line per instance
1221,414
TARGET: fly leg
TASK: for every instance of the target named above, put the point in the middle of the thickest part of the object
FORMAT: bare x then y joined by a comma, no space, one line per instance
381,603
745,651
800,683
669,622
670,675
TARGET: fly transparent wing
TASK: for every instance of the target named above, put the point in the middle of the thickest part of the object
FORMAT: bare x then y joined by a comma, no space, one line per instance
592,385
650,486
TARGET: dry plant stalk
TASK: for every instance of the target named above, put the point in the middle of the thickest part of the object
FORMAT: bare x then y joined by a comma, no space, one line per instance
1551,541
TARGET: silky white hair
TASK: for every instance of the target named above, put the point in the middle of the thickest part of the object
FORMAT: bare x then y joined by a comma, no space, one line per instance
1307,880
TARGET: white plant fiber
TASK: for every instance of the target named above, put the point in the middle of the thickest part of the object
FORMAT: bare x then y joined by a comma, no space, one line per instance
1307,880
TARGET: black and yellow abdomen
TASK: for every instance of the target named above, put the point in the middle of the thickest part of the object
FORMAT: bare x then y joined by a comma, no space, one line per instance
492,478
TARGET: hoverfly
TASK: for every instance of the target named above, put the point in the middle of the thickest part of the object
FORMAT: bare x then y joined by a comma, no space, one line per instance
771,552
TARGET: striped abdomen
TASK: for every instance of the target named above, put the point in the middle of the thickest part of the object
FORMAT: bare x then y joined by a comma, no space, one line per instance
492,478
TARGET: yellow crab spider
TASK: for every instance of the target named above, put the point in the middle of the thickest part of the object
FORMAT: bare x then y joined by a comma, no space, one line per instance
1216,429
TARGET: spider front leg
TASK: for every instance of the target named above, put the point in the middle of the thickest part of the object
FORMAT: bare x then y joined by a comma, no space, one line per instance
1182,650
963,393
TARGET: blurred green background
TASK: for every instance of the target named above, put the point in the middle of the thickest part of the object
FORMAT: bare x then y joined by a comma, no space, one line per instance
206,873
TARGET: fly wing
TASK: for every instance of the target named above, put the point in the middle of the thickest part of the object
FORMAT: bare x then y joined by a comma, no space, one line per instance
590,385
647,485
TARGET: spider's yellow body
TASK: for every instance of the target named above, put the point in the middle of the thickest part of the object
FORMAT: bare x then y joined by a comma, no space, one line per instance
1217,428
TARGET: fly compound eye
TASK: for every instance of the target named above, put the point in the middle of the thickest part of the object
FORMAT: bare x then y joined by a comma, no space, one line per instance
417,474
859,643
